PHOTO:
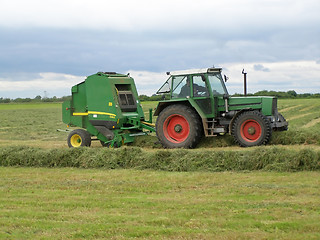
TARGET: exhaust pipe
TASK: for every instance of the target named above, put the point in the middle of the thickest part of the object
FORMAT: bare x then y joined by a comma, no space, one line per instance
244,82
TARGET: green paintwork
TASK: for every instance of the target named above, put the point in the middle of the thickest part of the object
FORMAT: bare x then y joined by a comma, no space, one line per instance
98,99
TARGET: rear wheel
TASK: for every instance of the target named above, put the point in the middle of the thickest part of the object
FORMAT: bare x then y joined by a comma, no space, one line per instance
251,128
179,126
79,138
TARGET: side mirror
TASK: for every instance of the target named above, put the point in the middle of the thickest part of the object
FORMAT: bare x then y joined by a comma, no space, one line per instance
225,78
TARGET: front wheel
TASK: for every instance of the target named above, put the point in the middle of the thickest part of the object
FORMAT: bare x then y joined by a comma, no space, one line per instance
79,138
251,128
178,126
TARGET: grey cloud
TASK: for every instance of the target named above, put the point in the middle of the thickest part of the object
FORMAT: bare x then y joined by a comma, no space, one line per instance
260,67
19,76
268,84
82,52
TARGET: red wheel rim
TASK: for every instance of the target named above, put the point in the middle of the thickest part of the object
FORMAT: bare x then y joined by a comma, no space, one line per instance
250,130
176,128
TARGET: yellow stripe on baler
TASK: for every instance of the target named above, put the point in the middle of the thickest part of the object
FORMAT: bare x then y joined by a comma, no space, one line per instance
94,112
102,113
80,114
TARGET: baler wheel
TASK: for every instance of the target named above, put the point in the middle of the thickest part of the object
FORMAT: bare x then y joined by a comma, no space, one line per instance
79,138
179,126
251,128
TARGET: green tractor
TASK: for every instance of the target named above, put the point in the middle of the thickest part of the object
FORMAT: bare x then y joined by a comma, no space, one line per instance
106,106
199,104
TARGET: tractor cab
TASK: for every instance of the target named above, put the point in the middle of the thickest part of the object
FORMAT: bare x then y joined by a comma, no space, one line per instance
202,88
194,83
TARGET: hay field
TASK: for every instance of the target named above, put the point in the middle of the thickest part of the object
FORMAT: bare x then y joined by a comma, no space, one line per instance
72,203
36,125
217,191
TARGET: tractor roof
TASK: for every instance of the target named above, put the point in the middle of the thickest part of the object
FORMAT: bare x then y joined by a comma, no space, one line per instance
195,71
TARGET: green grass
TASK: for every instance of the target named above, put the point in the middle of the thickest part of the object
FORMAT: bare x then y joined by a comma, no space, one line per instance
36,125
39,203
31,123
190,198
16,106
303,116
301,112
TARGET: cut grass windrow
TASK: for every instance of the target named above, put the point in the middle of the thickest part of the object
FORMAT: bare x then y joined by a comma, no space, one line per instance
259,158
312,123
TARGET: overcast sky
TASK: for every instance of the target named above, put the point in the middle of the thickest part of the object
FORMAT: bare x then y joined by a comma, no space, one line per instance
52,45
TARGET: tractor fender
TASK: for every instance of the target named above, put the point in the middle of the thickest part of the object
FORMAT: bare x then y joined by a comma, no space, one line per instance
163,105
236,115
188,102
160,107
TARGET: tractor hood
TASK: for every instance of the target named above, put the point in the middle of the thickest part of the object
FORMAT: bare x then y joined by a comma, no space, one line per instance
267,105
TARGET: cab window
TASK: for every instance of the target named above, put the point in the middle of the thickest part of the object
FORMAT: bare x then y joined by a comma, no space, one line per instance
199,86
180,87
217,85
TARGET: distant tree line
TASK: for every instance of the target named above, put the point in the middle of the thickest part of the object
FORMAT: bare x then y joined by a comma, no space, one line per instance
154,97
35,100
288,94
142,98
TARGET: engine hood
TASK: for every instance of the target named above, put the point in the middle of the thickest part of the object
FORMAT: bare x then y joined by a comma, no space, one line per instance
268,105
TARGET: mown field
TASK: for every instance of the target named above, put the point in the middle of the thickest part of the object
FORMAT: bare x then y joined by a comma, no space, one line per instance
217,191
43,203
36,125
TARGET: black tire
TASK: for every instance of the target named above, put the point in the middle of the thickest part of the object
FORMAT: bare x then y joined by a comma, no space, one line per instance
251,128
103,144
179,126
79,138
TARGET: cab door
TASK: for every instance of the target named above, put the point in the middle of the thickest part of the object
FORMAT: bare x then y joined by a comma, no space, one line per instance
201,95
218,90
